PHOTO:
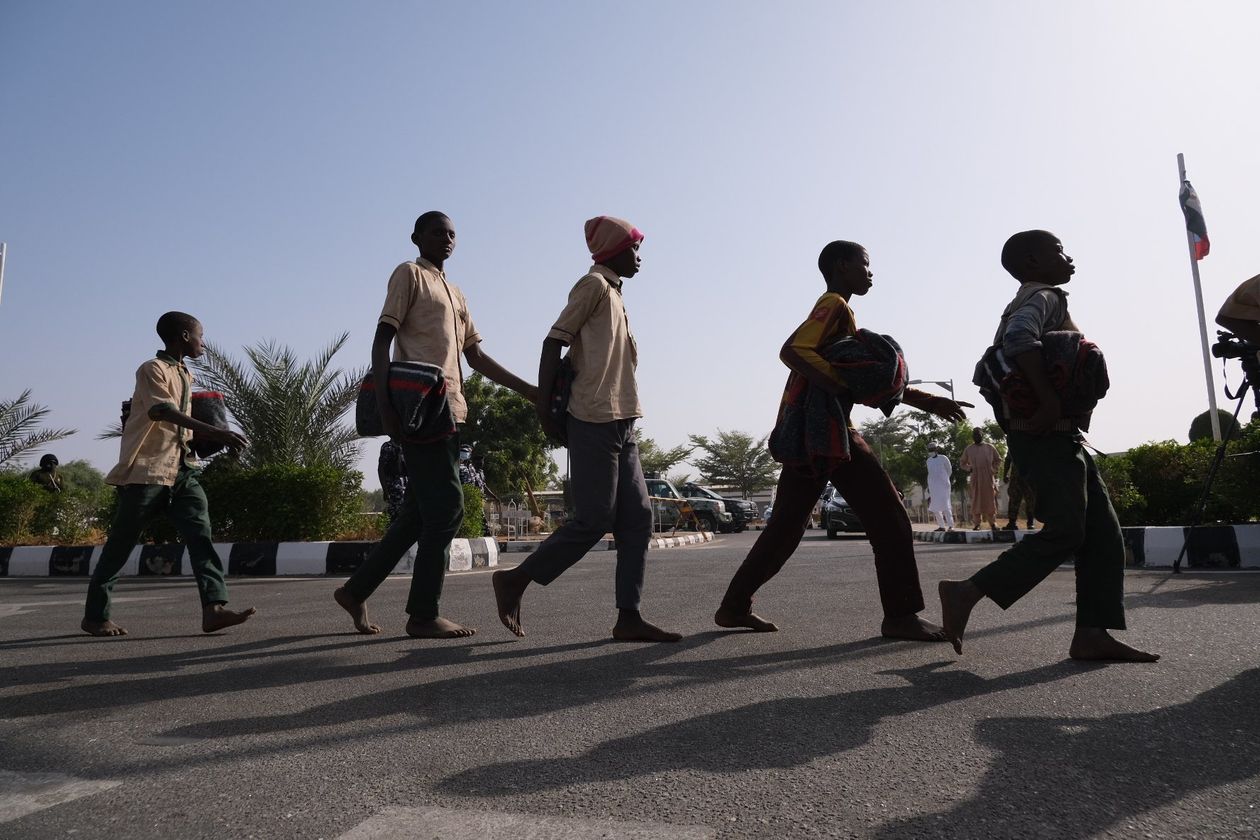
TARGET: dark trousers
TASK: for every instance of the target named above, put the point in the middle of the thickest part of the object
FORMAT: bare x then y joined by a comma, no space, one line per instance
1077,519
430,515
1018,491
609,494
870,492
185,503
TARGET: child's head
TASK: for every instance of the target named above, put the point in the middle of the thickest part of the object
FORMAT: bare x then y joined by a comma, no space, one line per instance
1036,256
977,435
182,334
614,244
434,235
48,462
846,268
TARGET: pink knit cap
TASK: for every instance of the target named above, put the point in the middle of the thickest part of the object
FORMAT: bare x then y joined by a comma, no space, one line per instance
608,236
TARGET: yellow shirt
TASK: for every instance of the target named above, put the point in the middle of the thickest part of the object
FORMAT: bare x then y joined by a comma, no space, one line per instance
604,353
433,324
152,451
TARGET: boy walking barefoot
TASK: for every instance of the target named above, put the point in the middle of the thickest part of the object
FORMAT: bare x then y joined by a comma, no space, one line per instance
607,481
425,319
157,473
861,479
1072,503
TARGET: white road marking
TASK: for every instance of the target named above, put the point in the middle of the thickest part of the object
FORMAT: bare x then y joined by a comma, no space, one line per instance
452,824
26,793
7,610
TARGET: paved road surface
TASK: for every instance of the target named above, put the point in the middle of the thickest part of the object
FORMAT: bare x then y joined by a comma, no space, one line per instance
292,727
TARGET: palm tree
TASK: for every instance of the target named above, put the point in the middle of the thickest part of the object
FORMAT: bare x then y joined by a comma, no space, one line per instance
19,428
290,411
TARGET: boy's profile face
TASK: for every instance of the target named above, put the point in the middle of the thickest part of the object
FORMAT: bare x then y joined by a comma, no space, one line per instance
852,276
626,264
1047,262
438,239
194,341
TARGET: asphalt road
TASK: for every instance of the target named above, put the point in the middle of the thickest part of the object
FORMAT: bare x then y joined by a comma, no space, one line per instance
290,726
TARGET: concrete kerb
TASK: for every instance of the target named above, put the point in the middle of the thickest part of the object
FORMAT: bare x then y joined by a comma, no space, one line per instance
267,559
1212,547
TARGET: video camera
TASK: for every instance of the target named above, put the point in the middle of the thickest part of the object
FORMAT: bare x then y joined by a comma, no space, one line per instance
1230,346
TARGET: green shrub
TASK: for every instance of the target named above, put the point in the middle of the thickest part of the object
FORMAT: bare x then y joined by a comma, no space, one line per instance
30,515
284,503
20,501
474,514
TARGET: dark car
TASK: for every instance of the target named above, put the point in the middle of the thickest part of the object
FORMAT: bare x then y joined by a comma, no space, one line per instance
837,516
742,511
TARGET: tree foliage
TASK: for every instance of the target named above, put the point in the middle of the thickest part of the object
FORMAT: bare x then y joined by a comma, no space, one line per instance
508,438
21,433
291,411
735,459
654,459
1201,426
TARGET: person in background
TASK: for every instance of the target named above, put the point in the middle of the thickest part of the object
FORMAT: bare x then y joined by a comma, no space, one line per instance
940,503
46,476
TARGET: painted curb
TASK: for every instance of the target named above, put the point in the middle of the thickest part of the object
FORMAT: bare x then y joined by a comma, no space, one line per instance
960,536
527,546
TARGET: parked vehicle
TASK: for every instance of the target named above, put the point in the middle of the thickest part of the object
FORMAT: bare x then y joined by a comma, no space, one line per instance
837,515
712,513
742,511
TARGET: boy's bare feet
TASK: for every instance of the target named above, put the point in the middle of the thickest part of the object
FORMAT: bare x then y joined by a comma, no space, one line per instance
357,610
730,618
911,627
1097,645
508,589
631,627
958,598
101,628
437,628
216,617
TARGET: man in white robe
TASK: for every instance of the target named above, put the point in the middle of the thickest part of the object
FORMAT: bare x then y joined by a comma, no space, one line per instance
939,504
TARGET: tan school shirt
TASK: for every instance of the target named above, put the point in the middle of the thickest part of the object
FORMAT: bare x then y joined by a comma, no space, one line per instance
431,317
152,451
604,353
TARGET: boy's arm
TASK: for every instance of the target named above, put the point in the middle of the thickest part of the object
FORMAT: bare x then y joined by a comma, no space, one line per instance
548,364
381,342
1022,342
481,362
942,407
801,351
167,413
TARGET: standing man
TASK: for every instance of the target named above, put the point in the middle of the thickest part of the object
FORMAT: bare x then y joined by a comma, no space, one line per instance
981,459
608,489
940,505
1017,491
46,476
425,319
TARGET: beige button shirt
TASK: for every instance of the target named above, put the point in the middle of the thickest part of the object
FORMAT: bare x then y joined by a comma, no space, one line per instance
433,324
152,451
603,352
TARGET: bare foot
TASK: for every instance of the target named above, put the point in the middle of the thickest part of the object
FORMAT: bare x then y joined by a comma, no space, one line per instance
101,628
631,627
1097,645
507,597
911,627
958,598
730,618
438,628
217,617
357,610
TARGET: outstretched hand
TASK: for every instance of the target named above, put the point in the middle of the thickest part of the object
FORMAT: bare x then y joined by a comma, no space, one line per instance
945,408
229,438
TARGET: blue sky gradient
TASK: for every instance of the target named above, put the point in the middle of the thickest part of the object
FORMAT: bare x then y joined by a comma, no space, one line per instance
260,165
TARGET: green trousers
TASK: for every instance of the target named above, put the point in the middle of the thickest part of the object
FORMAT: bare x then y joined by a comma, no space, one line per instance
430,515
1077,519
185,503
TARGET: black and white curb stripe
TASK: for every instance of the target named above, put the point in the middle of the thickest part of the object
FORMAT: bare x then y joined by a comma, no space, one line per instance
1210,546
244,558
526,546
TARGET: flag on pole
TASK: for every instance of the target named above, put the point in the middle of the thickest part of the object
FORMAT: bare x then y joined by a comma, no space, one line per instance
1194,220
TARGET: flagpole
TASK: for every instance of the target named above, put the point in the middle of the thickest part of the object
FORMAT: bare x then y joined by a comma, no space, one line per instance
1198,299
3,248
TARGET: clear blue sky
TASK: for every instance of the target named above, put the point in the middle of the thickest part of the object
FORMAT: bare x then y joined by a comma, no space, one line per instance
260,165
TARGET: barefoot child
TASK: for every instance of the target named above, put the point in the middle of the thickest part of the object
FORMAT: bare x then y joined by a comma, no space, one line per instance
425,319
857,474
158,473
607,481
1072,502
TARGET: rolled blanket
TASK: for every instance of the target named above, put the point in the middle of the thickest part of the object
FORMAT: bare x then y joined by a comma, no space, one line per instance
812,429
209,408
418,393
1075,366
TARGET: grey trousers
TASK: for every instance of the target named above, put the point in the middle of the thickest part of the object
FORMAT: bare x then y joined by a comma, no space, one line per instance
609,494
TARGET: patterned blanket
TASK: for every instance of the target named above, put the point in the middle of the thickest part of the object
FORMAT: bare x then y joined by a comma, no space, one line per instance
418,393
1076,369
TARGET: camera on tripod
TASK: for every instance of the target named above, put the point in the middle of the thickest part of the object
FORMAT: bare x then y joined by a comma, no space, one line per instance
1230,346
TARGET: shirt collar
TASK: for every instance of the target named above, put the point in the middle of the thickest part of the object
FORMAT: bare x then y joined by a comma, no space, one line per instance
1041,285
423,263
608,274
163,356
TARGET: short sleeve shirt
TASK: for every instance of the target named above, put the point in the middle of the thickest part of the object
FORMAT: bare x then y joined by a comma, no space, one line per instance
152,452
604,353
433,324
1244,303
